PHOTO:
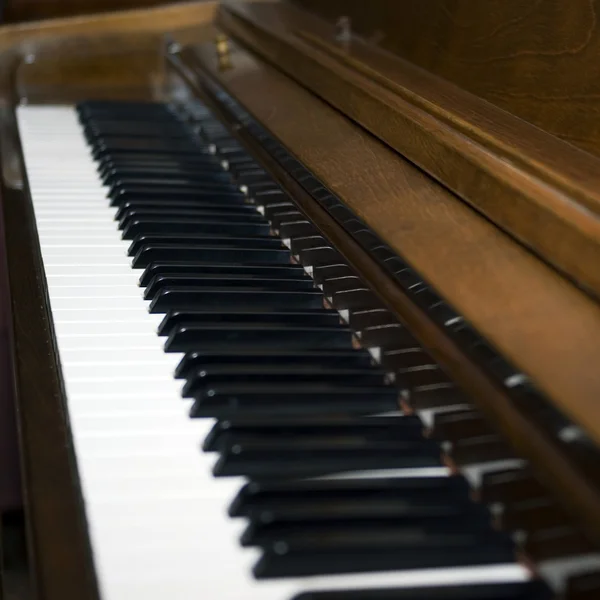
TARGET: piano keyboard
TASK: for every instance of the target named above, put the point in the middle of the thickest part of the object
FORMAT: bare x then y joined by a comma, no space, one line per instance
218,406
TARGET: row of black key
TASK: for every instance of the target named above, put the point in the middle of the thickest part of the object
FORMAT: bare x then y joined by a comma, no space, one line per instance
268,358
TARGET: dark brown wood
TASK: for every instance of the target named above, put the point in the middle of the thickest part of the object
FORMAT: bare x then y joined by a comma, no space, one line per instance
535,59
10,482
540,189
274,100
17,11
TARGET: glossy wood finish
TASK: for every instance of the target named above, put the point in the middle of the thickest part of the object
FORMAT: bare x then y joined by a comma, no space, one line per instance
497,284
537,59
535,186
160,20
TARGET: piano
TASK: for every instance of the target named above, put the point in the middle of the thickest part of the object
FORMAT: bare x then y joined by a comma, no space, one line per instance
302,306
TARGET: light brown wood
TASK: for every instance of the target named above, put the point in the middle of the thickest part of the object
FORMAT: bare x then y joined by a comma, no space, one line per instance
160,19
535,186
533,316
111,55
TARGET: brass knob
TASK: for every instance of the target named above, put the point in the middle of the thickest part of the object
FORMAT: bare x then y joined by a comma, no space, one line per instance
222,44
223,51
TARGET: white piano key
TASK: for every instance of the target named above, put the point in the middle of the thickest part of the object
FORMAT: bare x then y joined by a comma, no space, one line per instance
127,279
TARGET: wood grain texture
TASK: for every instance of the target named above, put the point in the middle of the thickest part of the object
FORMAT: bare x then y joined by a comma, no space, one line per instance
535,186
355,166
537,59
533,316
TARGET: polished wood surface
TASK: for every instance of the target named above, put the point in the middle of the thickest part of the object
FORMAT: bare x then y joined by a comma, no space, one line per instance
538,188
537,59
160,20
519,304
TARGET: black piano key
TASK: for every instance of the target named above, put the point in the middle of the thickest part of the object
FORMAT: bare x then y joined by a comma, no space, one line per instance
296,228
226,401
432,514
481,448
114,146
351,548
207,253
284,205
522,590
336,284
266,524
203,281
203,164
135,159
194,336
166,173
305,457
233,299
229,150
97,133
199,380
185,239
386,336
320,273
319,256
173,189
281,216
370,317
163,209
350,496
224,227
274,196
318,317
201,182
339,427
286,271
316,358
106,128
510,485
236,162
300,244
355,299
224,196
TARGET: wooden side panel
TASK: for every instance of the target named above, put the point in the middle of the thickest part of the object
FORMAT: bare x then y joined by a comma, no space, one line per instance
537,59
